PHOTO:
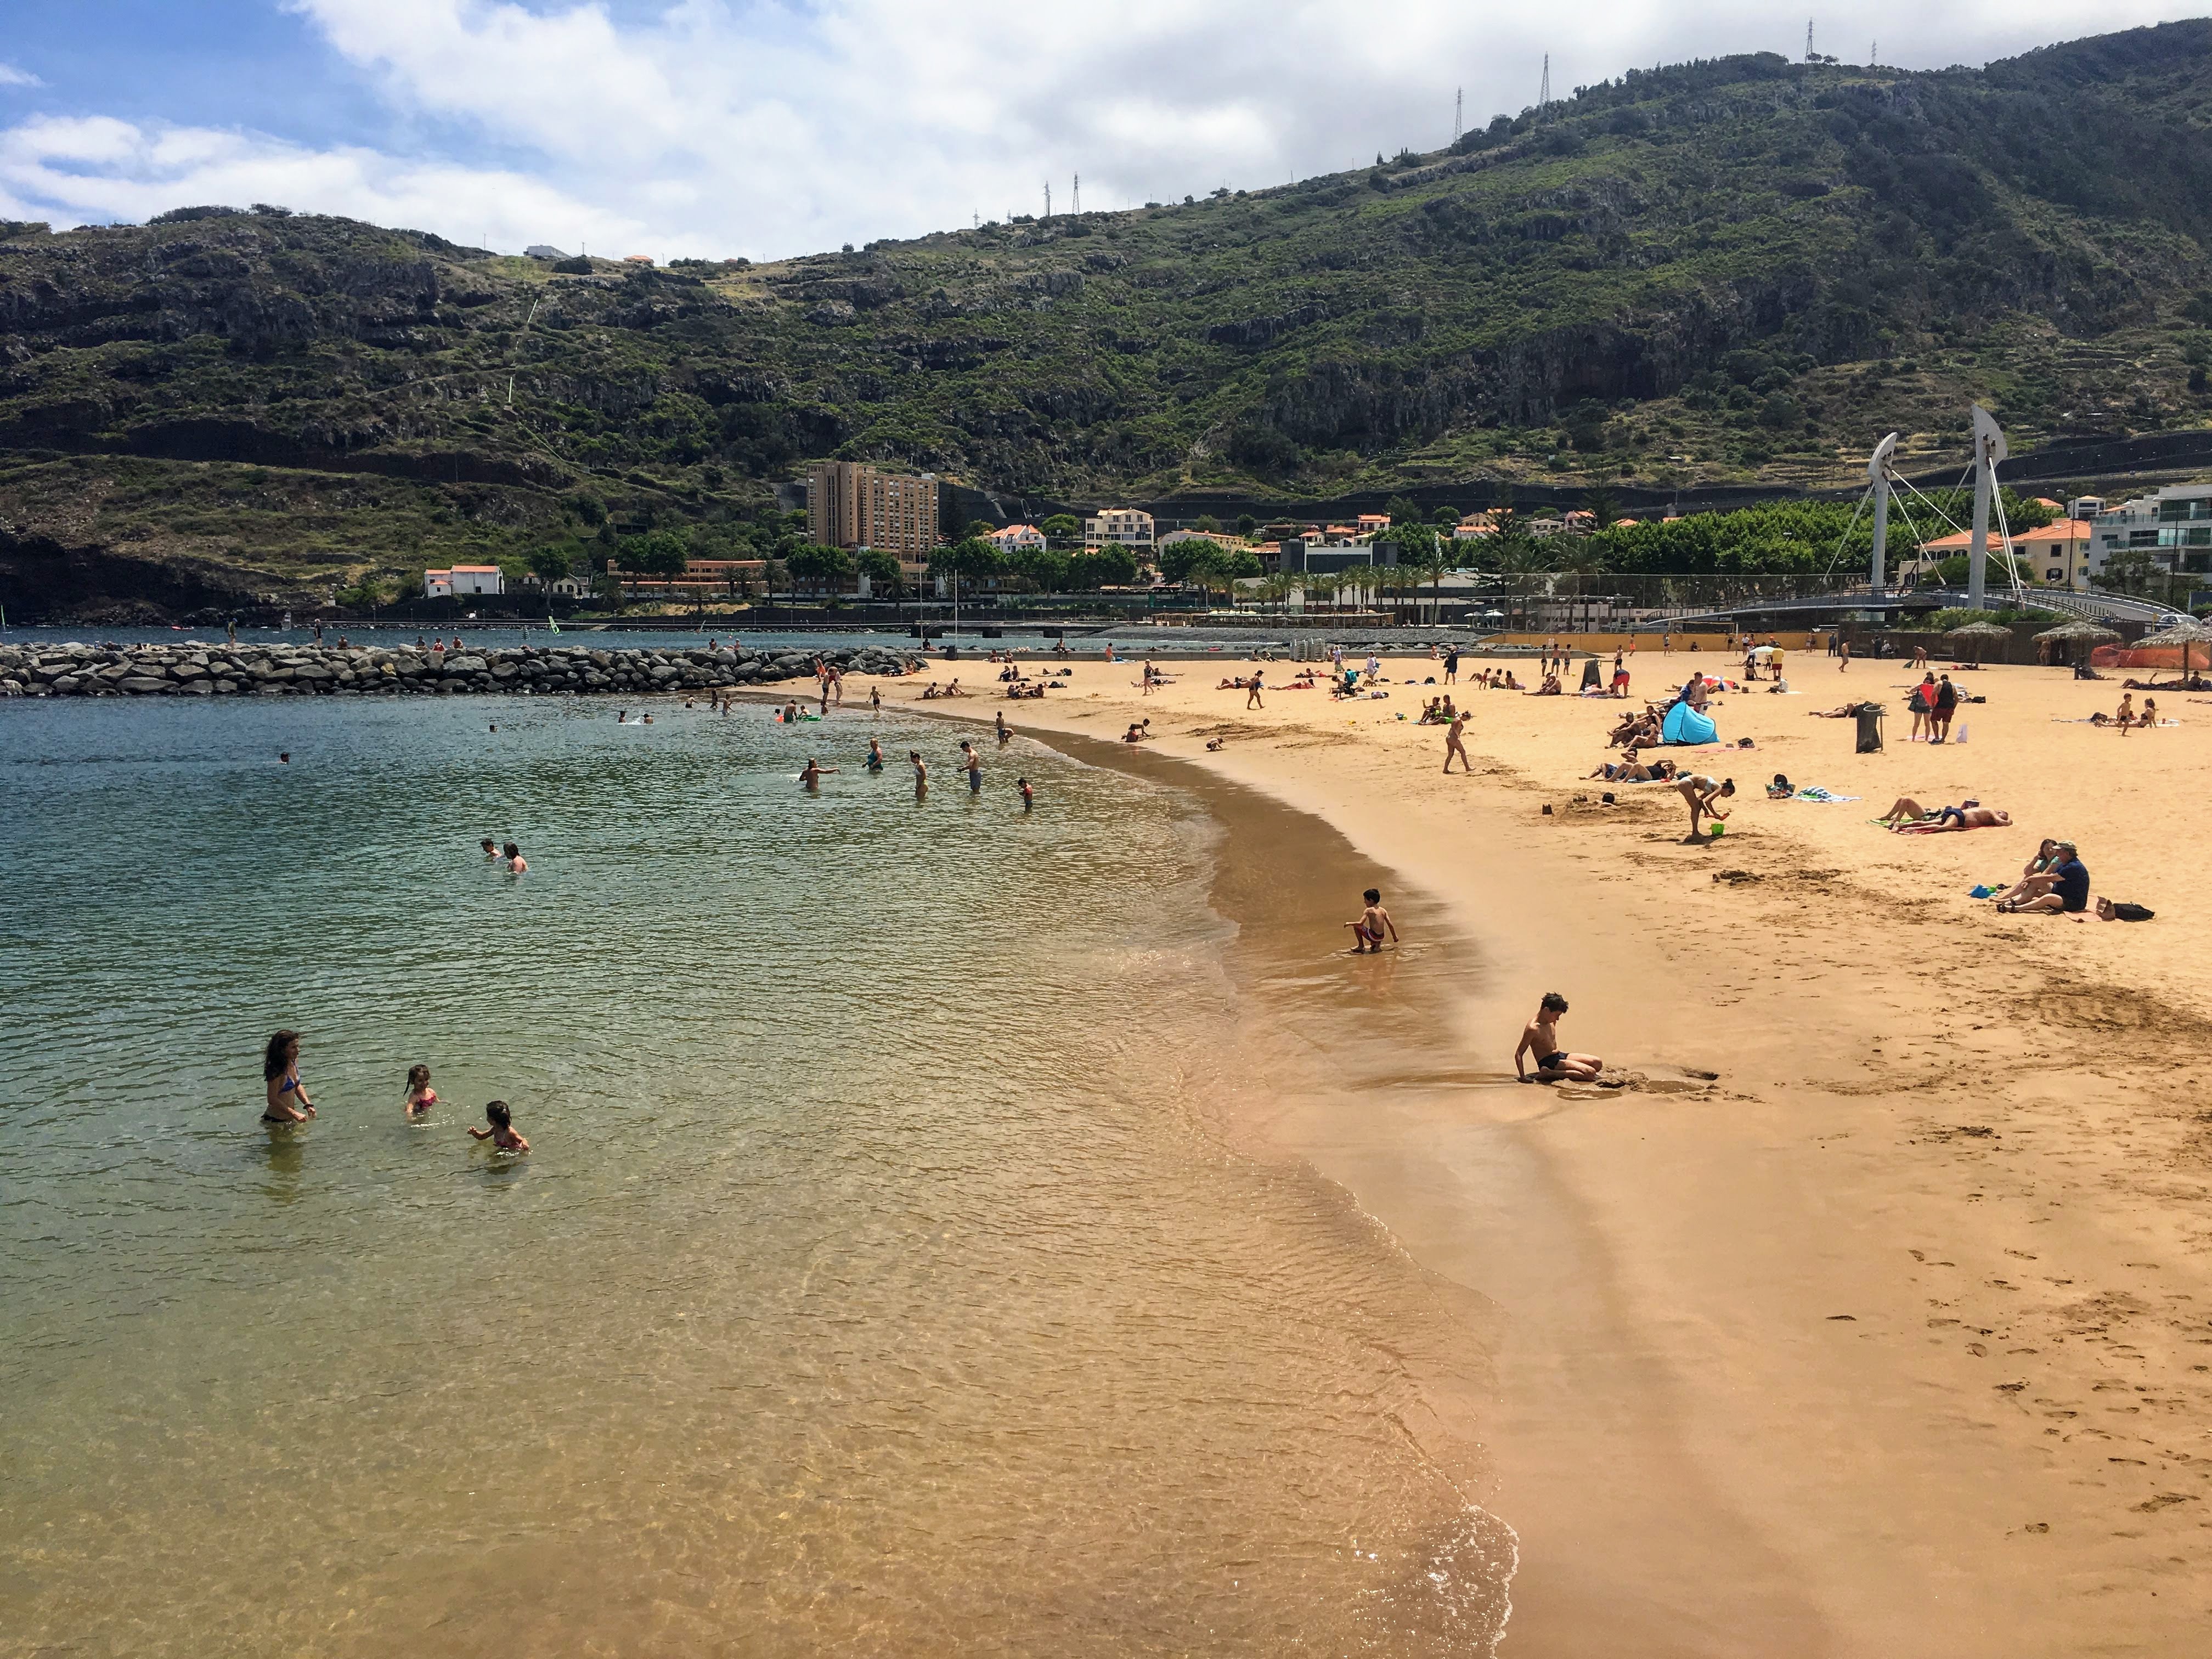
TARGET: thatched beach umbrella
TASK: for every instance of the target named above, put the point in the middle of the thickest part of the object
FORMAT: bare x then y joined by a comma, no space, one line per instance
2188,633
2079,633
1978,632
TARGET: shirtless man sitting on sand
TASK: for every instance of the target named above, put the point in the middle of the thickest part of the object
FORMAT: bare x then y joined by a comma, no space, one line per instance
1540,1039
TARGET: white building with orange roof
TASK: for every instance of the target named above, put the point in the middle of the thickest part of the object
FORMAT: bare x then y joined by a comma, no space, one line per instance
1017,538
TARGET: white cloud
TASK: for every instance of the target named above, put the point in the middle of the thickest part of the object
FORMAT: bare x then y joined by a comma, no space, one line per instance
12,76
99,168
716,126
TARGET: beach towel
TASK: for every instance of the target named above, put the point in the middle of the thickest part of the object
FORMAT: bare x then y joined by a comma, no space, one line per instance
1812,792
1685,725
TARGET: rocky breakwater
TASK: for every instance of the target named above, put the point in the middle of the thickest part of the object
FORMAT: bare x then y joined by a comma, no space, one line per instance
191,669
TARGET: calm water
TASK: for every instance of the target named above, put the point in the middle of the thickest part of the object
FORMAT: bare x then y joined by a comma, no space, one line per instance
878,1283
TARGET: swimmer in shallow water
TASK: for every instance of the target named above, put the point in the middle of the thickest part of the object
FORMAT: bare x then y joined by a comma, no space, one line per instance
1367,932
286,1100
815,772
515,861
501,1133
420,1096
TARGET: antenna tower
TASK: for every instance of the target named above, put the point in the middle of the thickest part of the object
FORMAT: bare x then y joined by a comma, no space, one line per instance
1077,209
1544,93
1459,114
1047,198
1808,40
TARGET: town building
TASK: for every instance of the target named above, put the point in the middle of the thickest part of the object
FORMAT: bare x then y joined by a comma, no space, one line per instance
463,579
723,580
2172,525
852,505
1017,538
2057,555
1218,537
1124,525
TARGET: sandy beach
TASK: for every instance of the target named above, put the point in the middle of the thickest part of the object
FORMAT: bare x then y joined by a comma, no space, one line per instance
1894,1337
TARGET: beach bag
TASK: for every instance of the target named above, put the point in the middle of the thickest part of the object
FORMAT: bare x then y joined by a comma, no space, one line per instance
2131,913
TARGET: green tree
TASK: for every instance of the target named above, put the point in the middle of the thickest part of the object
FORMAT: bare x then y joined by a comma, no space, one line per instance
1039,570
1403,509
1209,524
367,594
818,567
1603,505
551,564
1061,528
657,553
1445,517
2129,570
882,570
1246,524
1104,566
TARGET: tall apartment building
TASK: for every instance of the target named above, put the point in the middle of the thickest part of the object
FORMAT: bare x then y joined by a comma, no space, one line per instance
851,504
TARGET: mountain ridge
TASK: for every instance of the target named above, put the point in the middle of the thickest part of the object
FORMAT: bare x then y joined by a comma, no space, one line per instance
1732,273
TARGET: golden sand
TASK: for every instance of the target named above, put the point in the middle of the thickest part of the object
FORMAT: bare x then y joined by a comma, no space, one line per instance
1895,1338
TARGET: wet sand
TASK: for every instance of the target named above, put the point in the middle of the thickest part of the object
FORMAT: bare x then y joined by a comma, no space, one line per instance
1894,1338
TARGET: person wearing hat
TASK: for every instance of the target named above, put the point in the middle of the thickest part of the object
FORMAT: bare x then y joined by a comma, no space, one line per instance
2069,891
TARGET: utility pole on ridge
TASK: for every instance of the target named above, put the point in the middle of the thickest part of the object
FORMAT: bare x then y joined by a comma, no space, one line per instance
1544,92
1459,114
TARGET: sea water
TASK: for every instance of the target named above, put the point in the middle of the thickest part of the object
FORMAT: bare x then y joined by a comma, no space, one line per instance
879,1280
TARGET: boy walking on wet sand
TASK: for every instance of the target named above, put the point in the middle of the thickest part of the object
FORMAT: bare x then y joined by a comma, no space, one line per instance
1367,932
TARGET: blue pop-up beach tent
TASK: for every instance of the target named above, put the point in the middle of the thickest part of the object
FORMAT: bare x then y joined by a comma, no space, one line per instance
1686,725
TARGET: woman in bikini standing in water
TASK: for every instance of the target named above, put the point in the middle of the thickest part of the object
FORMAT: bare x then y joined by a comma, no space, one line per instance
287,1102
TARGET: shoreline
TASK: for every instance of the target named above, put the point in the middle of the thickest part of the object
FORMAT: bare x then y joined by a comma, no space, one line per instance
1797,1334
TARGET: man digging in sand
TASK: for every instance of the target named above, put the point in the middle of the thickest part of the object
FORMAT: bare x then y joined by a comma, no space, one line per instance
1540,1038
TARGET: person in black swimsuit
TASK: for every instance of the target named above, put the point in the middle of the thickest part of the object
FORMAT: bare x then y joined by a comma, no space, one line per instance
1540,1038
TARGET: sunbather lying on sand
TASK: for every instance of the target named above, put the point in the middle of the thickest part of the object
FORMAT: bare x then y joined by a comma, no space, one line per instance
1907,818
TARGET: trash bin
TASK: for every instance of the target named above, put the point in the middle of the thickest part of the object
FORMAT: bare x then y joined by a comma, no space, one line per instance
1869,719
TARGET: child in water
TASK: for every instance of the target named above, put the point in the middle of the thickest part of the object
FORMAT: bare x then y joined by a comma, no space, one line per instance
515,861
501,1133
1367,932
1029,795
420,1096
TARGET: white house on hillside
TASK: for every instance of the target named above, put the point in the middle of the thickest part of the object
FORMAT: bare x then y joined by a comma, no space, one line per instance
1017,538
463,579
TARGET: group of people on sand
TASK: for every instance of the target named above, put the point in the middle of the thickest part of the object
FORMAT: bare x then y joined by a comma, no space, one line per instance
1632,768
1933,704
2125,718
2055,882
285,1098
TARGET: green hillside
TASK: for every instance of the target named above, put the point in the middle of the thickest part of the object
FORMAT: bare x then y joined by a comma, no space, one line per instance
1736,272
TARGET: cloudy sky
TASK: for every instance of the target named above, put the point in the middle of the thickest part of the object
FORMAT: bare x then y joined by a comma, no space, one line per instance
715,127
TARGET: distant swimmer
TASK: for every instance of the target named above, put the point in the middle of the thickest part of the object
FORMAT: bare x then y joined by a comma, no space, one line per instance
515,861
420,1096
286,1100
501,1133
1029,795
875,754
494,726
875,700
815,772
622,717
490,848
920,771
1540,1039
1006,732
1374,921
284,759
1453,746
790,715
974,763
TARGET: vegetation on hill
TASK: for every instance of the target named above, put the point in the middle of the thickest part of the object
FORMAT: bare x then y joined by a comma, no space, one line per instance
1743,270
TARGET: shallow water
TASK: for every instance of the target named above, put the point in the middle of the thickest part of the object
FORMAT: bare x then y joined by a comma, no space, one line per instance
879,1280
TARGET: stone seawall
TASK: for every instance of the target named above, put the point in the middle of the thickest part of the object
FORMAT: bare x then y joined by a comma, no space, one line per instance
191,669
